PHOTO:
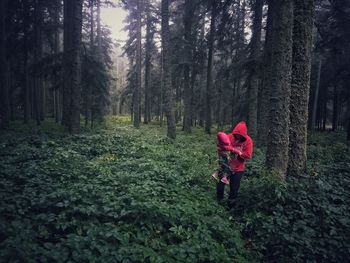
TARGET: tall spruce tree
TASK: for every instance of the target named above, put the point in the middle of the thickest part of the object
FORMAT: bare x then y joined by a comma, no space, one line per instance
4,101
254,75
168,94
208,111
279,101
72,64
301,69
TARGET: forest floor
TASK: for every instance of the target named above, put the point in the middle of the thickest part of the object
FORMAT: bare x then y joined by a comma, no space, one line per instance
118,194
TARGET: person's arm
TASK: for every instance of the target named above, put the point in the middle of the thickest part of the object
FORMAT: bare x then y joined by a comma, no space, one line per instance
247,151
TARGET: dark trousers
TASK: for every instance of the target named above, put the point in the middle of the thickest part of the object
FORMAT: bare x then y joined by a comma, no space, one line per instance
235,180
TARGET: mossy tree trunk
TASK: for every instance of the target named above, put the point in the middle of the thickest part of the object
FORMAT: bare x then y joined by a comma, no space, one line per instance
279,99
299,100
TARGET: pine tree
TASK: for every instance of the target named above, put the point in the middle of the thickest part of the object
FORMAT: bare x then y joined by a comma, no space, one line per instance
281,61
4,101
72,64
208,121
188,21
254,76
302,49
168,94
137,92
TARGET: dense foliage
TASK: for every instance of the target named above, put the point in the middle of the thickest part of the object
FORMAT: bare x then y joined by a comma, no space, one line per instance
127,195
119,195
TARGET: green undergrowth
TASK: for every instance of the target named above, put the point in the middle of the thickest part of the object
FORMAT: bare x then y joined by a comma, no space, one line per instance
305,219
117,194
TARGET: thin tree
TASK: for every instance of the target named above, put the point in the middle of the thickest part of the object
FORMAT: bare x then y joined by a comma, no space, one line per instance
253,85
281,61
4,100
137,92
265,87
208,121
316,94
187,21
168,94
56,50
26,79
72,64
38,54
149,36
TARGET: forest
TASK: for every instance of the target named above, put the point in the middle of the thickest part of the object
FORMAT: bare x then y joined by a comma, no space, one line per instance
108,145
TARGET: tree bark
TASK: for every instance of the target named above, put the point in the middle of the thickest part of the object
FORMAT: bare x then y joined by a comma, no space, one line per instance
187,21
58,90
317,89
72,64
4,99
348,118
265,87
26,87
281,61
253,87
89,110
147,112
38,53
208,121
168,93
137,101
299,100
335,108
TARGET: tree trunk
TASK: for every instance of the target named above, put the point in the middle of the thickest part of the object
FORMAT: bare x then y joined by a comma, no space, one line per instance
147,114
317,89
89,110
335,108
161,93
192,86
300,88
202,97
255,73
168,94
264,91
4,98
281,61
348,117
26,87
324,107
56,50
209,68
72,64
187,21
38,54
137,101
98,31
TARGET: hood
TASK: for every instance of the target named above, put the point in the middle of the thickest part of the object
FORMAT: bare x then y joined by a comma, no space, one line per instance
241,129
223,141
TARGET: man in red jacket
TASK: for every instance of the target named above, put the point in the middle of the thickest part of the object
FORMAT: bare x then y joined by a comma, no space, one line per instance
242,150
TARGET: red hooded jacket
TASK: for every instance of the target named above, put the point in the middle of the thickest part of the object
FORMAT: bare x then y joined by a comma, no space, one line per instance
223,143
243,149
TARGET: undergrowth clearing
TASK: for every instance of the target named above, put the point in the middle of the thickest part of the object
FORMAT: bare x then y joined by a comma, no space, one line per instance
117,194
